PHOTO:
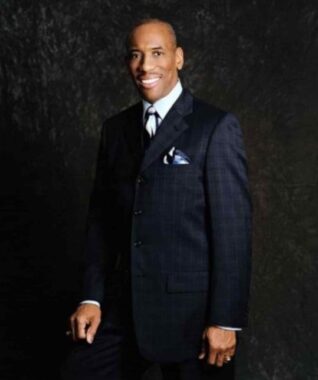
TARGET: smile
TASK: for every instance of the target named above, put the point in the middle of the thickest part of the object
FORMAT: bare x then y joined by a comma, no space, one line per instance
149,83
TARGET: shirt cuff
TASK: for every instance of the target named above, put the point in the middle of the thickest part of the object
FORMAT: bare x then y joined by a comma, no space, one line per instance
91,302
230,328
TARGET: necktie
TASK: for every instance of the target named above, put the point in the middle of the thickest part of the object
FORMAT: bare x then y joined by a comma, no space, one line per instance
151,117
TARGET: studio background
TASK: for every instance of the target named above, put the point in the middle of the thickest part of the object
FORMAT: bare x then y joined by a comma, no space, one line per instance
62,73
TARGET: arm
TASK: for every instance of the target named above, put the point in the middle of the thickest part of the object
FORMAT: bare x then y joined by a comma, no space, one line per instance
96,229
230,214
86,318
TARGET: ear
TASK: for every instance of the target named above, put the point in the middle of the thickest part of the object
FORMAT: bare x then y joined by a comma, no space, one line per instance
179,58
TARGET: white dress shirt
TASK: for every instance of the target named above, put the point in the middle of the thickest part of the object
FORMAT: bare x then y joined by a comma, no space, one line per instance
163,105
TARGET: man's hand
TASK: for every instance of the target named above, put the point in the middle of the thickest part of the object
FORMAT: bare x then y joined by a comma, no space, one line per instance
85,321
218,345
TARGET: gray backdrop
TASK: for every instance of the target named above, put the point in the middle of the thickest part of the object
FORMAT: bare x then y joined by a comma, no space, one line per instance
62,72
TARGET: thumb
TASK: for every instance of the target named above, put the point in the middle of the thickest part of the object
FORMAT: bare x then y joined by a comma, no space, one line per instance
91,331
203,351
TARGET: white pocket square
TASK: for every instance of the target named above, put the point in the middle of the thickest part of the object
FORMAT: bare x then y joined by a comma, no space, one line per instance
176,157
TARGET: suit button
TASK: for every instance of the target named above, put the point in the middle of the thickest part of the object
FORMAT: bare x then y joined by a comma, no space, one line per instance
137,212
137,243
140,179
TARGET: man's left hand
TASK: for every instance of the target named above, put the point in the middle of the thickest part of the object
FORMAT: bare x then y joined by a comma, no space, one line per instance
218,345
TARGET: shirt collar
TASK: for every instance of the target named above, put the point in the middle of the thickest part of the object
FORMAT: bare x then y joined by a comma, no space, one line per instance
164,104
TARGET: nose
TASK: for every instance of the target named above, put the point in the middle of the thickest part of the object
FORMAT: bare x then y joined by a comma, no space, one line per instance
145,63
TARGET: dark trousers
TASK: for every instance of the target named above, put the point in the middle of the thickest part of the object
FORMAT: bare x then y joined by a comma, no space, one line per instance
114,355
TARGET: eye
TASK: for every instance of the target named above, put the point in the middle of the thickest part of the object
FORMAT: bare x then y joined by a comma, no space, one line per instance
157,53
133,55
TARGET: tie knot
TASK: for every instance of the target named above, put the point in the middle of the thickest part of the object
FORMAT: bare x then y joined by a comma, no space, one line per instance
151,111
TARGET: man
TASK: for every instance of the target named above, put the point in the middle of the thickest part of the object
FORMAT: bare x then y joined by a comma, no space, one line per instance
169,231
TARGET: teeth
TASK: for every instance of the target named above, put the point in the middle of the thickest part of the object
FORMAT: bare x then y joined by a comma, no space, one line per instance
150,81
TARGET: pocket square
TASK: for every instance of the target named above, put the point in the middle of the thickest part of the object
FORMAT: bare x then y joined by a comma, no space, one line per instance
176,157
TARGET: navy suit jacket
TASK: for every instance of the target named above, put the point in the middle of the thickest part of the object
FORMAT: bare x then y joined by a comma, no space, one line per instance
181,234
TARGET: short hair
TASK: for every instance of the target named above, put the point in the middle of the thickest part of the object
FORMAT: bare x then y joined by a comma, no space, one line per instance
146,21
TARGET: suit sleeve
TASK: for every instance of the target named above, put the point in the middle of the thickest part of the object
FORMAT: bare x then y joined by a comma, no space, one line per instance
230,219
96,229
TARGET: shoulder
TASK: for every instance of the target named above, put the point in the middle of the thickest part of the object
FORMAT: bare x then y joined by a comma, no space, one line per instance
206,110
124,116
215,120
208,113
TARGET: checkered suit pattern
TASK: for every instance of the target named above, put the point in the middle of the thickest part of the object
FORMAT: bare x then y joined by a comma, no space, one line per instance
180,233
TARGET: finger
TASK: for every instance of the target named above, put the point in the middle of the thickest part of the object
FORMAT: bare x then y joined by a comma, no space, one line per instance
228,355
203,344
80,332
73,329
91,331
220,360
227,359
203,351
68,332
212,355
202,355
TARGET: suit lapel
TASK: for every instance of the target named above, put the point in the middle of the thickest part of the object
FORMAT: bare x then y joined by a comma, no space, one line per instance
171,127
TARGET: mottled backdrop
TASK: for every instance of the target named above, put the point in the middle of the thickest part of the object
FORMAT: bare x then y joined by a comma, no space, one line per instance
62,72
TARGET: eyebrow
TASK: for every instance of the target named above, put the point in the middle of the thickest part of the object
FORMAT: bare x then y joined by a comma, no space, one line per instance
153,48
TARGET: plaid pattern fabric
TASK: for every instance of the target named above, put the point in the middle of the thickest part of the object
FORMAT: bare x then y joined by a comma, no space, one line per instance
183,232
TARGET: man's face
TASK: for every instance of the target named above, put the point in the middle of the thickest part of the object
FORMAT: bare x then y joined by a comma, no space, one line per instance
154,60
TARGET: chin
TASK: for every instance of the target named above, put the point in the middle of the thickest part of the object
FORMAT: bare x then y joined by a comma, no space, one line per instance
151,98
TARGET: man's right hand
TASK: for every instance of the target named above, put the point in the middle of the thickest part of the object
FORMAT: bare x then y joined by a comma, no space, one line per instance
85,321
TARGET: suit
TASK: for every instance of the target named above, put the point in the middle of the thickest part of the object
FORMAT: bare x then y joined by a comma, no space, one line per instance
176,237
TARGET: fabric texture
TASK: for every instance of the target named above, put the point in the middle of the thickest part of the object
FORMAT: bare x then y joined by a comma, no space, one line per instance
182,232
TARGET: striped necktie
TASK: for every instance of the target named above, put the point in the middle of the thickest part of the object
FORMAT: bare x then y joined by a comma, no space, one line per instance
152,120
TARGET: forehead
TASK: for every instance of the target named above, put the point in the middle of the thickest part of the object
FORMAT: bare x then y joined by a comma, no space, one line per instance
152,34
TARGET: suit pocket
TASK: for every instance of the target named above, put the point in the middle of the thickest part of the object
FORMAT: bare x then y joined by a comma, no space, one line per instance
187,282
181,166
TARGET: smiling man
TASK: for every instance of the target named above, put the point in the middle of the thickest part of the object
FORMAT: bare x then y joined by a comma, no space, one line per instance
154,60
168,250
